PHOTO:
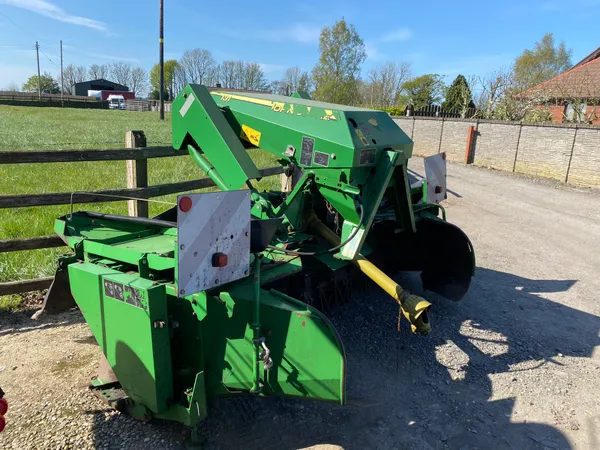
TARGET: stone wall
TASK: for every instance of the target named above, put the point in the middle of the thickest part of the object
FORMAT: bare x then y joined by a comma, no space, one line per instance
564,153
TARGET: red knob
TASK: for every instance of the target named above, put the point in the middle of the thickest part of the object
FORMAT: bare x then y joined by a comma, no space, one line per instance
2,423
3,406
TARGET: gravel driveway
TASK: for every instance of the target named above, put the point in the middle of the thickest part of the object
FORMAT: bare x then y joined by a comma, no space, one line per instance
512,366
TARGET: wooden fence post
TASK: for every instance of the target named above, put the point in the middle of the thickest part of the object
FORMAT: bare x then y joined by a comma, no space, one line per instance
137,173
288,182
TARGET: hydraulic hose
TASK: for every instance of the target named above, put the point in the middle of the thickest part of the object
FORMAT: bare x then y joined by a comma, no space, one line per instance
333,249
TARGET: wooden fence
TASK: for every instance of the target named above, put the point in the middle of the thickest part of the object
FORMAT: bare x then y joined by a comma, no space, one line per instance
56,100
136,154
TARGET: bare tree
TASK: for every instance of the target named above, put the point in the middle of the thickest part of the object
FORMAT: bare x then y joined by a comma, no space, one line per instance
139,82
71,75
385,83
180,80
227,74
290,81
120,72
199,66
254,77
239,69
13,87
98,71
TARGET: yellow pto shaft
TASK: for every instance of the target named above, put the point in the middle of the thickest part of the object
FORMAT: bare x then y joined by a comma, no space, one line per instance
414,308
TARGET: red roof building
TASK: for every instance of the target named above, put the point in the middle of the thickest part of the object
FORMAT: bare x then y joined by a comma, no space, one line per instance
573,96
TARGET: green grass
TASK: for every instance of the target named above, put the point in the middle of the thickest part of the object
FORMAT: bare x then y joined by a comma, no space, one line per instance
28,128
10,302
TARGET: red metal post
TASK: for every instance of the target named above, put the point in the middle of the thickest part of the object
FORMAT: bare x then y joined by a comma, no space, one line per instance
469,150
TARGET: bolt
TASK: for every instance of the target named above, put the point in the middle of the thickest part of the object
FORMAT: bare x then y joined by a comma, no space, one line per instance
245,272
194,313
182,246
216,281
182,291
246,233
195,253
333,156
194,302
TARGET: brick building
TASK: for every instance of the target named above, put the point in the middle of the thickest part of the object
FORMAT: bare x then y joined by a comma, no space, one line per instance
573,96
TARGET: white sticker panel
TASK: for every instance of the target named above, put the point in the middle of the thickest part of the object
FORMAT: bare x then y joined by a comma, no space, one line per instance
209,224
435,172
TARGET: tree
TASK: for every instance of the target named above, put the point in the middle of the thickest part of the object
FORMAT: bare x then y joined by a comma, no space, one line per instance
180,79
385,84
290,81
170,68
12,87
139,82
545,61
336,75
305,83
459,97
71,75
254,77
226,74
47,83
199,66
120,72
293,80
424,91
98,71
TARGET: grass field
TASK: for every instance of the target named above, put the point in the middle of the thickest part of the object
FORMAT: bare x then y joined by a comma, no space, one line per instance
31,128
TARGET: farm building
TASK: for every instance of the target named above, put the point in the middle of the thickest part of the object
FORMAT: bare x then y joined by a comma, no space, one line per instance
96,85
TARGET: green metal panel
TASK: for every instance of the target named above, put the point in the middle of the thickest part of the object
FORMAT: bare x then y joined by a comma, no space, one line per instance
198,121
307,353
128,317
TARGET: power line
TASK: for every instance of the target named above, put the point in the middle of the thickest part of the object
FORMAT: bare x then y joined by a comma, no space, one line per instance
23,29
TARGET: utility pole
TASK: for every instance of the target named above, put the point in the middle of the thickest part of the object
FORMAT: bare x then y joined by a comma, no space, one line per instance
62,84
161,41
37,52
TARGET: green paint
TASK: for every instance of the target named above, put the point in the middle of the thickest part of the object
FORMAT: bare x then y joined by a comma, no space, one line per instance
172,354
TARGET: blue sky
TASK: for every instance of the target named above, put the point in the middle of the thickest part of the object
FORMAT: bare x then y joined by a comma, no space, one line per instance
468,37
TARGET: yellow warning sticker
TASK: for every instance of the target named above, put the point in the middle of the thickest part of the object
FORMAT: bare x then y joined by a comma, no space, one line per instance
362,137
251,135
328,115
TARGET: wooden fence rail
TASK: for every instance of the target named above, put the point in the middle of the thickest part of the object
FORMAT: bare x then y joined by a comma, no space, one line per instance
136,161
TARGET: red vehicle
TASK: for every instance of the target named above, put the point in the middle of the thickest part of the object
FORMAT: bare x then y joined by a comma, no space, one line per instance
103,95
3,409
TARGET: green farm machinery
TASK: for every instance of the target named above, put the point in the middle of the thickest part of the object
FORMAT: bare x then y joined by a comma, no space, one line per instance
225,293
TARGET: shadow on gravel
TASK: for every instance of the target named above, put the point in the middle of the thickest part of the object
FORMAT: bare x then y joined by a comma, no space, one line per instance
411,392
15,322
402,397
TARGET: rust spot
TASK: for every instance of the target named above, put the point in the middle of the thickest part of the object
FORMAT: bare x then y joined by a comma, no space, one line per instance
303,323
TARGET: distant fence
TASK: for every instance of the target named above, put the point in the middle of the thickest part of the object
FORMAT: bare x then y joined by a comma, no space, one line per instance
136,154
438,111
567,153
146,105
54,100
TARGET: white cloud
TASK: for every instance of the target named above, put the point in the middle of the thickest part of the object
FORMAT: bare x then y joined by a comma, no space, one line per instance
399,35
48,9
270,68
113,57
373,52
299,32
